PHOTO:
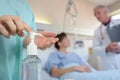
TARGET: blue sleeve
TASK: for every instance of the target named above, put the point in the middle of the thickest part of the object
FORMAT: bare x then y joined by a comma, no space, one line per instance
80,61
29,19
53,60
33,24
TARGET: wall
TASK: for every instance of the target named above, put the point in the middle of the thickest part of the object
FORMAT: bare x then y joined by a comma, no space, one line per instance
115,8
52,11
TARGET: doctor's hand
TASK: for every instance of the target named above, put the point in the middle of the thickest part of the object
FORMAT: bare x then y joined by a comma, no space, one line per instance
44,41
82,68
113,47
12,25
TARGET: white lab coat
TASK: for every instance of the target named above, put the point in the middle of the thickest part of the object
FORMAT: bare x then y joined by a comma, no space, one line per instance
101,40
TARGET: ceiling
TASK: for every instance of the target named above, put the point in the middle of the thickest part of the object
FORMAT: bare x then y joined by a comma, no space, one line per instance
103,2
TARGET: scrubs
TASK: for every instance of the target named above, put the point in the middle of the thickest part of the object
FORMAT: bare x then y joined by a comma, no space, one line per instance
11,50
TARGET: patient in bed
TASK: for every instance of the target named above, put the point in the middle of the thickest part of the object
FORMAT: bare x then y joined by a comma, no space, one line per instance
61,61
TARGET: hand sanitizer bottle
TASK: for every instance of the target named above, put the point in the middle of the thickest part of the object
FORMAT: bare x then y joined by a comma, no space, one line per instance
31,65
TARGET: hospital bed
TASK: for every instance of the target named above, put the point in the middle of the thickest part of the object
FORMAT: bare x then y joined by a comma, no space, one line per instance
98,75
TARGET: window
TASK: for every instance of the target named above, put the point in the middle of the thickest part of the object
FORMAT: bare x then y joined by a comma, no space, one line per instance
117,16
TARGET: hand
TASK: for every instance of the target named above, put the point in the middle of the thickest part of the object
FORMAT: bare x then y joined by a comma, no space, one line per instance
82,68
12,25
46,40
113,47
43,42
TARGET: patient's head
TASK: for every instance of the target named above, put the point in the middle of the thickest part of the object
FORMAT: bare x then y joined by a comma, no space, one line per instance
63,41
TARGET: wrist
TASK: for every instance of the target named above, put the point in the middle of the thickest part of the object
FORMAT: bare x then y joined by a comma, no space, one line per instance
74,68
107,49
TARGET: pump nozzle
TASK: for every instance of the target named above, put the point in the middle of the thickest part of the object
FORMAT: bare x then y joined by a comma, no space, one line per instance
33,34
32,47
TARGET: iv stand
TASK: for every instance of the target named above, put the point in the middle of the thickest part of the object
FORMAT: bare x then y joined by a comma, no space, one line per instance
73,15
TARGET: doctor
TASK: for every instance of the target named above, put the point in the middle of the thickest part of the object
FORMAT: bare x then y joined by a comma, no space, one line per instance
102,46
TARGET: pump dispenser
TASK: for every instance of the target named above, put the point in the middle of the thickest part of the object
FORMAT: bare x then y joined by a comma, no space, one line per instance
32,47
31,65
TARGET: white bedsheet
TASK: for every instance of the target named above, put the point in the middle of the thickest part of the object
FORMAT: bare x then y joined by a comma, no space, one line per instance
100,75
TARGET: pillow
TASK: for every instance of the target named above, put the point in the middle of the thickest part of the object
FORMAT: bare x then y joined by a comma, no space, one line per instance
44,54
82,52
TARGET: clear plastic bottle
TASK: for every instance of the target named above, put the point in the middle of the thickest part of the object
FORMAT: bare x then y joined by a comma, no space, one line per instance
31,68
31,65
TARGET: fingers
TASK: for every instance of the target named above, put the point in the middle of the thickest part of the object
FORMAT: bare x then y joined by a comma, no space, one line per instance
21,34
44,42
47,40
27,28
7,26
113,47
3,31
12,25
53,40
19,25
47,34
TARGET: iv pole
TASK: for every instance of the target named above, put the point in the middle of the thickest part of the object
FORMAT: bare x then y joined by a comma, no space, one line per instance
73,15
